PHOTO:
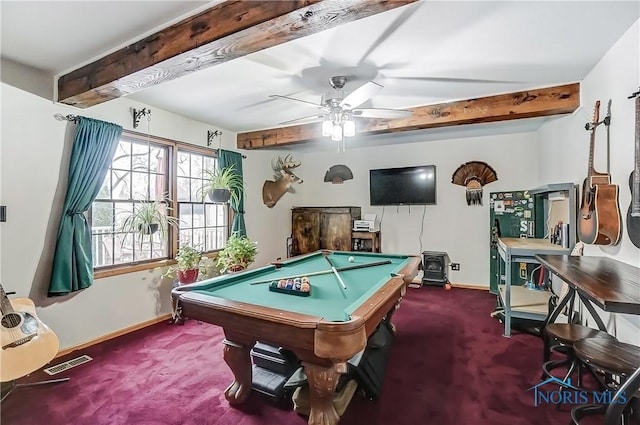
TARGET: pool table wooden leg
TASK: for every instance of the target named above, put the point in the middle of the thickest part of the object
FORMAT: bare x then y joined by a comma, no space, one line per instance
322,384
390,324
238,357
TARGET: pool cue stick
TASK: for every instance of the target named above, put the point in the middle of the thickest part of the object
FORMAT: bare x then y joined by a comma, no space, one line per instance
362,266
341,269
335,272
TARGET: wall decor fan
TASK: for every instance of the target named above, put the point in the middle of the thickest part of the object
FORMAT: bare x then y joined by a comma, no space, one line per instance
339,109
474,175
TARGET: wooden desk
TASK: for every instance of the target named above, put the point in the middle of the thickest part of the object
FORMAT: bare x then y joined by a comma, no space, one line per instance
611,285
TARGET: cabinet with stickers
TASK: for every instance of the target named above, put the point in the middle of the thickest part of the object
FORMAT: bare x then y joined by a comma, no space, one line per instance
525,223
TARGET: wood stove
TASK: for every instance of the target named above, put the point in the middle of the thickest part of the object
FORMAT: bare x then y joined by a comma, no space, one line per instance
435,265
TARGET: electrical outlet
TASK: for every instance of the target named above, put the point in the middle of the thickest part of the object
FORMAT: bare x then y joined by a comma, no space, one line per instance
455,266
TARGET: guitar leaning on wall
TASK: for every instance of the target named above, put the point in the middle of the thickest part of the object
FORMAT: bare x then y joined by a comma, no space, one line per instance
633,215
599,218
27,343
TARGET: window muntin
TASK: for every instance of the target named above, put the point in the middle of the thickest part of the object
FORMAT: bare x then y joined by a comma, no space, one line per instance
142,169
203,224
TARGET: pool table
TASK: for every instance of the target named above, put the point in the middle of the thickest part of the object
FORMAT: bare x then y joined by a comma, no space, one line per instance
324,329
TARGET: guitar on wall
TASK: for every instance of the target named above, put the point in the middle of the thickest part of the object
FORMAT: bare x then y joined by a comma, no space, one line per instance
599,218
633,215
27,343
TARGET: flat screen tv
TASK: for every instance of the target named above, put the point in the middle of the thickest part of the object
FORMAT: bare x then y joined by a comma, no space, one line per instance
403,186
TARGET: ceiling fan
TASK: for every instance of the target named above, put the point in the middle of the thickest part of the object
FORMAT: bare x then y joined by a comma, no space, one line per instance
339,111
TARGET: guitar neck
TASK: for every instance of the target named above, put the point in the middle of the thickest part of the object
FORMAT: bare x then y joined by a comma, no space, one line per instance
592,140
635,187
591,171
5,304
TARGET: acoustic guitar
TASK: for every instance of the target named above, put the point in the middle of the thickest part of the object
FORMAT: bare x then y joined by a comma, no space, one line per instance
633,215
599,218
27,343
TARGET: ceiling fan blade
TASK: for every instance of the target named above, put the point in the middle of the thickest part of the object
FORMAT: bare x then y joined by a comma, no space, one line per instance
388,32
360,95
317,105
311,118
381,113
453,80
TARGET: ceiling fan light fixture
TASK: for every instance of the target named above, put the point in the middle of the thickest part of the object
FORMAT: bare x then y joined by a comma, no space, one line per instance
327,128
336,132
349,128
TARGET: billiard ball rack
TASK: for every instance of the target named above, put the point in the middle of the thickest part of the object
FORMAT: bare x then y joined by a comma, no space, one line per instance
273,287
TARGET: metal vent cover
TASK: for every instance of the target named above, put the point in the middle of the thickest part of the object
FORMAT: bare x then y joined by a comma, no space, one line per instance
67,365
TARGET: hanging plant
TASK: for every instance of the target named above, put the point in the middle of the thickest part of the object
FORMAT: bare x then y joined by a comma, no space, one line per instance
222,185
149,217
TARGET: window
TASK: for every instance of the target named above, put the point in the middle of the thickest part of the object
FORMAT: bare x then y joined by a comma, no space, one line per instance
142,170
203,224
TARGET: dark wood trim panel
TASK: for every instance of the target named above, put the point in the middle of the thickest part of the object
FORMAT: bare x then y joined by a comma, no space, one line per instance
224,32
504,107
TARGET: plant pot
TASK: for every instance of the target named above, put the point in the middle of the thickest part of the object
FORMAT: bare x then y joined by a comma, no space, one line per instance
148,229
219,195
187,276
236,268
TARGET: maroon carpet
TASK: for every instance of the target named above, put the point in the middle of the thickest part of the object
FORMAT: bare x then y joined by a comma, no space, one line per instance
449,365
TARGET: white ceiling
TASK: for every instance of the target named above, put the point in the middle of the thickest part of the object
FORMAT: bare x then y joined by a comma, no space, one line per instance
424,53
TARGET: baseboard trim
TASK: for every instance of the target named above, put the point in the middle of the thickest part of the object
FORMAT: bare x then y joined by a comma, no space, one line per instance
417,283
468,286
112,335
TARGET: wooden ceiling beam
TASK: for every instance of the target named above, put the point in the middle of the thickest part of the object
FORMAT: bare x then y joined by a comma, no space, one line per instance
504,107
226,31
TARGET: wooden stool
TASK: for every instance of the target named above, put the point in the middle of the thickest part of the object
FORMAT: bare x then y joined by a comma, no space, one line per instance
566,335
613,357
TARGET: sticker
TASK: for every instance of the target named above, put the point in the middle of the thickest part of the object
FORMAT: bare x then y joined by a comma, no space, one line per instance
509,211
508,195
499,206
527,213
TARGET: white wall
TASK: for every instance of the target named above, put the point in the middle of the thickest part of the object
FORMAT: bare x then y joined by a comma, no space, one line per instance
564,147
450,226
34,154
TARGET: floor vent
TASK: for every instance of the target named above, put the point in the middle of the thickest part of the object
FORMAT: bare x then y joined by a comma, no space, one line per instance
67,365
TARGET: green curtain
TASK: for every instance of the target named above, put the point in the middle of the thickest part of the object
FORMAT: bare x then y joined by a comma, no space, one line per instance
226,158
94,145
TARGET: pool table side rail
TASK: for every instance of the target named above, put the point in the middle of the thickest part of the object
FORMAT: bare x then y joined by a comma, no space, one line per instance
326,339
287,329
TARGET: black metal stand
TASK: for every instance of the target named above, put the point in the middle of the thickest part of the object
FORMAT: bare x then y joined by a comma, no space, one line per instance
15,386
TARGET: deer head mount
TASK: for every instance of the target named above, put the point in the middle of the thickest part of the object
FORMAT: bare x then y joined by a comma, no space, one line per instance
272,190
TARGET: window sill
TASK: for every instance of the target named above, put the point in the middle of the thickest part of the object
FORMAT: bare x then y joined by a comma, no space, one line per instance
132,268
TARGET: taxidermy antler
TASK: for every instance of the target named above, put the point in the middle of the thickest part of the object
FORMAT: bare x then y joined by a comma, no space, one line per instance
474,175
272,191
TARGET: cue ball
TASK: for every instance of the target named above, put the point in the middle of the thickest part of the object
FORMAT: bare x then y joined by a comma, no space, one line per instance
351,259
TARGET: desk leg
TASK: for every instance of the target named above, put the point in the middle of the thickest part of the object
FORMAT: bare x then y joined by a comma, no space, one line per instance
238,357
322,384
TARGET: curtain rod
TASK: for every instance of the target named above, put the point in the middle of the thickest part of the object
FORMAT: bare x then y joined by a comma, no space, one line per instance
74,118
69,117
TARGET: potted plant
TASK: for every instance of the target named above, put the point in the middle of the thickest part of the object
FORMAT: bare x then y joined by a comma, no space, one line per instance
222,184
148,217
237,255
187,267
